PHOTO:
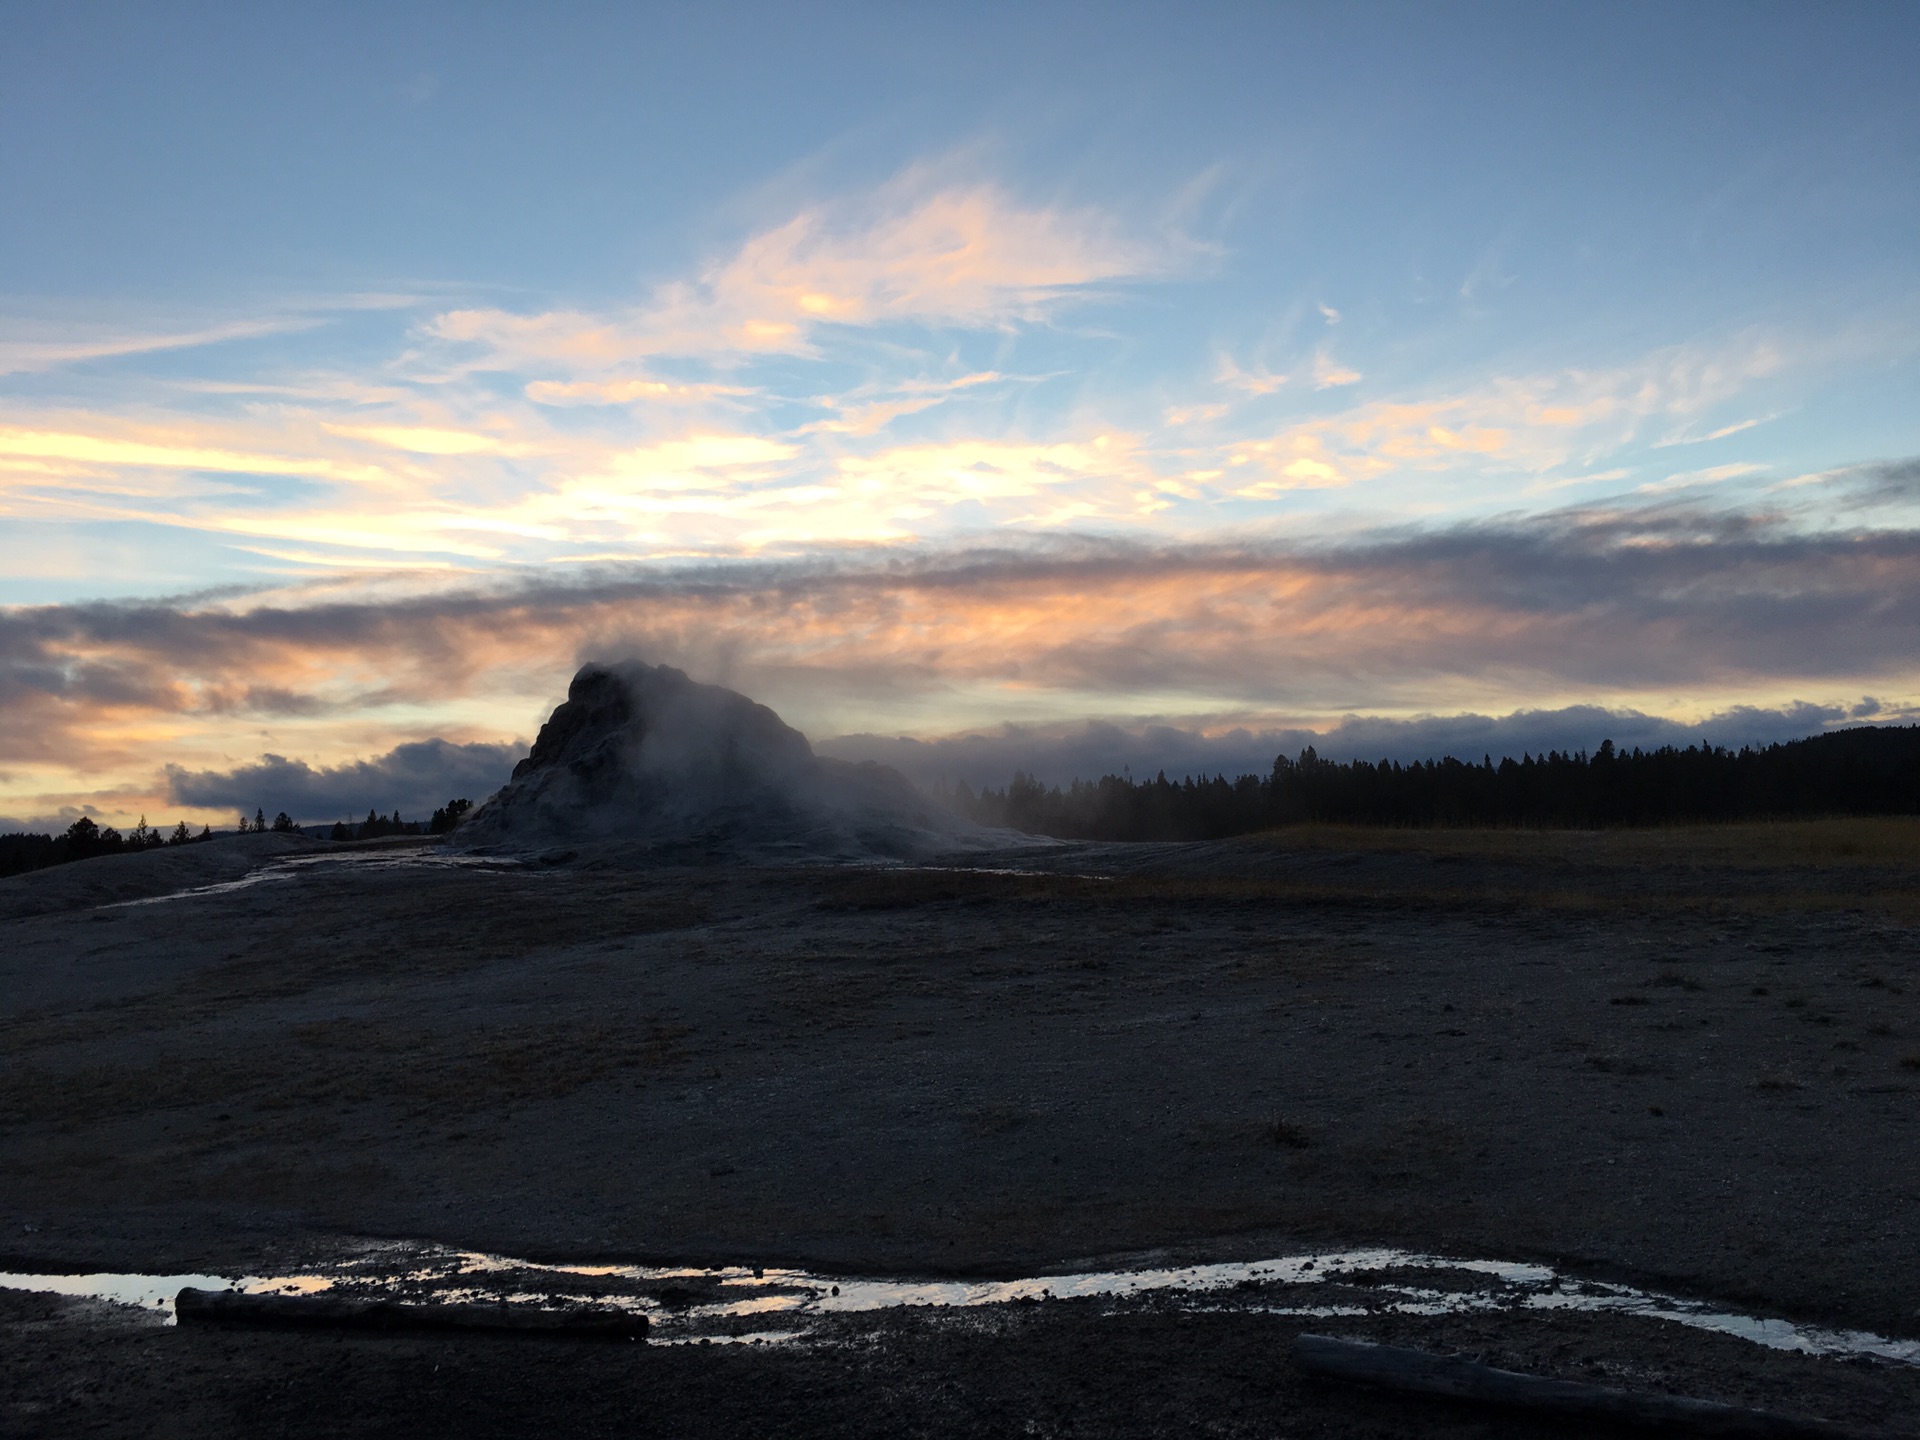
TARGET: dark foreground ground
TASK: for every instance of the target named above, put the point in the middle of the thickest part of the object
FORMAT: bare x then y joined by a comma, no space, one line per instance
1046,1370
1687,1060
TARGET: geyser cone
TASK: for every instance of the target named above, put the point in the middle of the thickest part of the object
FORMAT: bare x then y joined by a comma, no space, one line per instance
642,753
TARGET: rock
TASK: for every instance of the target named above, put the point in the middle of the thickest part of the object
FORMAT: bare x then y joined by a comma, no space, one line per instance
643,754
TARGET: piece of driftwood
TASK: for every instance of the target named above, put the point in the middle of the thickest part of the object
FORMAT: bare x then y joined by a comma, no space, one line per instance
1417,1372
231,1307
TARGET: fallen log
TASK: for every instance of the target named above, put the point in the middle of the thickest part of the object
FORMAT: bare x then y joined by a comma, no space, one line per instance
1418,1372
232,1307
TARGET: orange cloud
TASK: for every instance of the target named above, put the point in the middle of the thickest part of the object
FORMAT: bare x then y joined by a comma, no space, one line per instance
1650,608
1329,373
84,450
430,439
970,256
629,391
1529,425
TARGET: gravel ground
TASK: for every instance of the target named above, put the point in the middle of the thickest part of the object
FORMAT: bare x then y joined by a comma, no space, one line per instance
1690,1060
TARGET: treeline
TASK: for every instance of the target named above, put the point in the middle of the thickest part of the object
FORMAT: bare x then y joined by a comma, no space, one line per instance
377,826
1865,771
84,839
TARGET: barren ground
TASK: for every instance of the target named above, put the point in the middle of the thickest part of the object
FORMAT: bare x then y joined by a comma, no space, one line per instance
1687,1059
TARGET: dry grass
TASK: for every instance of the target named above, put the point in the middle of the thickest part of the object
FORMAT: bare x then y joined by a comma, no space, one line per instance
1671,855
1875,840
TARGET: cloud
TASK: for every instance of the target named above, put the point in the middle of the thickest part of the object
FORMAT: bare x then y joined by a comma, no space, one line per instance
1614,599
1329,373
429,439
631,390
415,778
569,452
913,252
1692,479
71,453
962,255
871,408
1059,754
1685,437
1257,382
1179,415
1034,483
1889,482
21,352
1507,425
1660,609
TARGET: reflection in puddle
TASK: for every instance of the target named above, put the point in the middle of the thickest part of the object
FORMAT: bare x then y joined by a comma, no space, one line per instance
691,1306
146,1291
291,869
903,867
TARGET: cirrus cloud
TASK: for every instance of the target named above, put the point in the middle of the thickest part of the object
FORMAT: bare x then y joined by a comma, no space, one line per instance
916,251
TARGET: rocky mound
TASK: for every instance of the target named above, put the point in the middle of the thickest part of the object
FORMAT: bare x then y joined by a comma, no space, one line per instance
642,753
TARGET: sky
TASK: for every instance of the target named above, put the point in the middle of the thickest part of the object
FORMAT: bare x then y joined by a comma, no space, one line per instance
1067,387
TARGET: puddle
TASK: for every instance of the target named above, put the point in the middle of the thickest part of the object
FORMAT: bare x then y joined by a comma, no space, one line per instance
276,871
999,870
153,1292
740,1305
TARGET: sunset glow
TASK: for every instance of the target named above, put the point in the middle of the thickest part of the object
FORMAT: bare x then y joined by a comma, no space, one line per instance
1371,372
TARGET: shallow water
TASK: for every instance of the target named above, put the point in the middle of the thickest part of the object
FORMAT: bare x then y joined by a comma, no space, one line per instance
295,866
692,1305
